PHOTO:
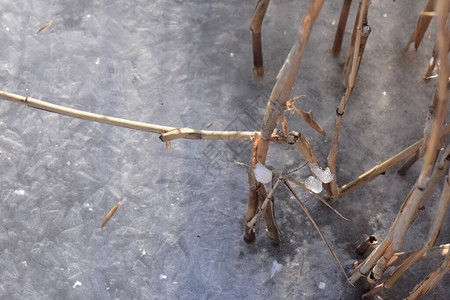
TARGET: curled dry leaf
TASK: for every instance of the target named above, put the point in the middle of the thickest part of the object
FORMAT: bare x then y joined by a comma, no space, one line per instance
309,119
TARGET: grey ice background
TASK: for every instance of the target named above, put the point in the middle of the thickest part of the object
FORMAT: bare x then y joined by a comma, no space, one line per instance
178,234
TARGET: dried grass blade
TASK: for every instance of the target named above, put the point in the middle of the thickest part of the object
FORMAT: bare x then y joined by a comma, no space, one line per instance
43,27
317,196
110,214
305,209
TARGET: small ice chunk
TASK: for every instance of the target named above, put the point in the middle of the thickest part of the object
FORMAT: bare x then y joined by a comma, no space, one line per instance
322,285
19,192
313,184
384,93
162,276
231,54
262,174
323,175
276,267
77,283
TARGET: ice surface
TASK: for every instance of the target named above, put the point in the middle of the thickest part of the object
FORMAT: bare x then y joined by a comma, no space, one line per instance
313,184
262,174
189,63
324,176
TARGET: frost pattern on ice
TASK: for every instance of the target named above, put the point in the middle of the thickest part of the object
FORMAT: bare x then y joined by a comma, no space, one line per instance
276,267
313,184
324,176
262,174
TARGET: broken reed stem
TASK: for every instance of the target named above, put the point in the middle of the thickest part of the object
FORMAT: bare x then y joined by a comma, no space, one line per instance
305,209
421,26
383,167
280,92
432,148
431,280
167,133
360,40
264,205
341,27
433,233
432,253
255,28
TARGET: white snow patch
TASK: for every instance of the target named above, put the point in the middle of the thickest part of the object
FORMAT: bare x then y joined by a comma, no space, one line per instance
162,276
19,192
323,175
77,283
276,267
321,285
313,184
262,174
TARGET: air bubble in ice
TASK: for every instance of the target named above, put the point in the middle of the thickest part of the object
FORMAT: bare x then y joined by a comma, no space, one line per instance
262,174
322,285
323,175
313,184
77,283
276,267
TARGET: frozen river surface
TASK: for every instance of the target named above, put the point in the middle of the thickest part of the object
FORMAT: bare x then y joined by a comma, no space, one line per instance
178,232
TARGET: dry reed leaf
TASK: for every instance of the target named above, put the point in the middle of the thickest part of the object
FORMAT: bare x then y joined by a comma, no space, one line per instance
305,209
309,119
110,214
208,125
43,27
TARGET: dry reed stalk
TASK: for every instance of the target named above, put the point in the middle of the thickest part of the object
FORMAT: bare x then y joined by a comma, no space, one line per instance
433,233
383,167
408,213
431,280
258,196
421,26
255,28
280,93
360,40
341,27
167,133
432,253
366,244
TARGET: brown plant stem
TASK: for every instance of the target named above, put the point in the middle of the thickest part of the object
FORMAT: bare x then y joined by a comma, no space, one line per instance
386,165
167,133
431,280
341,27
418,254
421,26
255,28
361,34
285,81
432,253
